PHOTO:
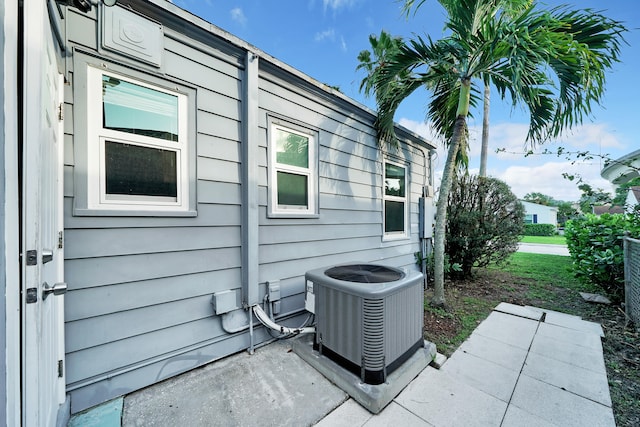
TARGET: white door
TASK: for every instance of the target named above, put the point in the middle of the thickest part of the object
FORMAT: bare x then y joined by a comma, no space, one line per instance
42,240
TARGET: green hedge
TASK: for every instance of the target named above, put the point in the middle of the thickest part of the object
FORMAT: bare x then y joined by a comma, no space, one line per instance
596,247
539,230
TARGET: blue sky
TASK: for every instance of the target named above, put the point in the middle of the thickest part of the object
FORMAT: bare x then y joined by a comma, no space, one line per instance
322,38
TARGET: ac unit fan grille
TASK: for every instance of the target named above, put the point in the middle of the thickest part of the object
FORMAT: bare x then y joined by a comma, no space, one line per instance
373,334
364,273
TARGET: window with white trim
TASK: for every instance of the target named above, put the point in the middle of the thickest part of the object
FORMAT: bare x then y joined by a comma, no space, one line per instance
395,200
138,149
293,170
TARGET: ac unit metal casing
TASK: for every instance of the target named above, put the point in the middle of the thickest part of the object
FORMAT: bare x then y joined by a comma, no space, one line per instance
368,328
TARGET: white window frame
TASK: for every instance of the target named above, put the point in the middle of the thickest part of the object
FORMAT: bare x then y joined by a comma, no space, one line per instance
311,172
395,235
95,200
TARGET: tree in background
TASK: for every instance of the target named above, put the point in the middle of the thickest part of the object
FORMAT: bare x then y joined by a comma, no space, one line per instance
539,198
484,223
552,62
591,198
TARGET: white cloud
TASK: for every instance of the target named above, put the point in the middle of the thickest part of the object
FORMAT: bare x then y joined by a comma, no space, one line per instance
541,174
338,4
329,34
238,16
547,179
343,44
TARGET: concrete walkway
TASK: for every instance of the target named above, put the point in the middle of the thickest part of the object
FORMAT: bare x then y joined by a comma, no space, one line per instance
543,248
522,366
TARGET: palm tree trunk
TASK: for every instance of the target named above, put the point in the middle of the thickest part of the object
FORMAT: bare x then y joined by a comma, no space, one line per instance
485,131
459,129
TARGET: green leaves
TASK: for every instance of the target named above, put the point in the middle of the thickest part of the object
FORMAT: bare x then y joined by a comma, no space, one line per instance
596,247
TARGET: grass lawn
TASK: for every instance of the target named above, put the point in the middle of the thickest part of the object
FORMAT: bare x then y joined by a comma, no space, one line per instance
549,240
544,281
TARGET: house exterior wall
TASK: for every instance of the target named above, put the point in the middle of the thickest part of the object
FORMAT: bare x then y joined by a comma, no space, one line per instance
138,309
543,214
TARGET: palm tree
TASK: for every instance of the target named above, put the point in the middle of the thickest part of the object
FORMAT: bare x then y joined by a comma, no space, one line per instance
551,62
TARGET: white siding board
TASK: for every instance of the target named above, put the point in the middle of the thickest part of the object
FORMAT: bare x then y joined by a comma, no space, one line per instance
208,215
327,217
347,188
282,97
103,300
353,174
96,243
219,192
219,104
219,126
85,273
338,201
77,28
218,170
290,251
214,60
92,362
277,234
215,147
118,326
203,76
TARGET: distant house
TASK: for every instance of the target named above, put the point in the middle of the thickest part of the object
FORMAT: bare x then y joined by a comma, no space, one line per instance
540,214
622,170
603,209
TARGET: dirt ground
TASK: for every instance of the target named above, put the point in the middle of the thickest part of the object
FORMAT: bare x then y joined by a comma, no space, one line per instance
470,301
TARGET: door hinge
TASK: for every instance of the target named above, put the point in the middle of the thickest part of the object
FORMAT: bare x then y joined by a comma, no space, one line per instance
61,112
60,240
32,257
60,369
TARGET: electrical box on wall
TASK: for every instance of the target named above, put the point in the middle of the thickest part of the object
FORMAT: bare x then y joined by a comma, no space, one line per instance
427,215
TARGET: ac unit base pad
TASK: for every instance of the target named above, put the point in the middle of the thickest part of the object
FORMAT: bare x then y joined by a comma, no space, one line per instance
373,397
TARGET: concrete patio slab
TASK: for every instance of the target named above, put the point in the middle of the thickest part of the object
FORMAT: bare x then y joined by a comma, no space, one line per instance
558,406
349,414
396,415
516,417
508,329
271,387
518,310
572,336
503,354
580,381
569,321
512,371
443,401
482,374
569,353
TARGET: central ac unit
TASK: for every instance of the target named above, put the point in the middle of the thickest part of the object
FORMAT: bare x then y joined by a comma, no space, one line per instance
369,317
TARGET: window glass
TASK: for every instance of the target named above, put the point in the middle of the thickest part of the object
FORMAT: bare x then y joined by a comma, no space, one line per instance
394,180
394,216
292,149
292,189
136,170
131,108
395,201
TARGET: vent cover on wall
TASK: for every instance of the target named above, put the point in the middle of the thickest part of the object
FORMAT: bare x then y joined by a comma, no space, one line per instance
369,317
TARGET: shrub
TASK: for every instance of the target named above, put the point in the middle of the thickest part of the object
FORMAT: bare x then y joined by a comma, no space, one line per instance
539,230
596,247
484,222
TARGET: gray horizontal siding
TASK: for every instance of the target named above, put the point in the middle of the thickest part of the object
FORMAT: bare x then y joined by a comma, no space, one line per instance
139,308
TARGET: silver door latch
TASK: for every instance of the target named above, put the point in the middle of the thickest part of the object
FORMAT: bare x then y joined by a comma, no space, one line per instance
57,289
